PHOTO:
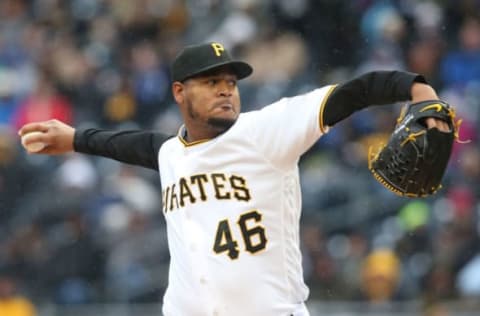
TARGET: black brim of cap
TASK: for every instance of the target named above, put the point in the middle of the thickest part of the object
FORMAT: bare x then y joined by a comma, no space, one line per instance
240,69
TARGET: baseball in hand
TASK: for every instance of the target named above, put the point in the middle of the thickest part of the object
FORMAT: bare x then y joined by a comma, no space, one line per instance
32,147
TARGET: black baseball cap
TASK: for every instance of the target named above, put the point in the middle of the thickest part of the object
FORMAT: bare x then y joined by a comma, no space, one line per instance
196,59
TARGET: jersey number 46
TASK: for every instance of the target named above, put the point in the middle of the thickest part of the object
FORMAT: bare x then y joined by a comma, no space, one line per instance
253,236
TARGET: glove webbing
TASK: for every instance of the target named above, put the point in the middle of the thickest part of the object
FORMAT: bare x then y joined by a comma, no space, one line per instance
372,157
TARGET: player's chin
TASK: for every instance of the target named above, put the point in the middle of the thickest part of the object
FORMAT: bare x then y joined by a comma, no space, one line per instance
222,123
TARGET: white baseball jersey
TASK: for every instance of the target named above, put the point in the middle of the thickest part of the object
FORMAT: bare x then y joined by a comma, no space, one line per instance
232,206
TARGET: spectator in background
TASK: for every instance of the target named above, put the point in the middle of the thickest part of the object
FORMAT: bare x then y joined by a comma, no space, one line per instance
121,106
423,56
468,281
462,65
16,175
138,260
11,302
43,103
77,263
150,81
8,99
380,276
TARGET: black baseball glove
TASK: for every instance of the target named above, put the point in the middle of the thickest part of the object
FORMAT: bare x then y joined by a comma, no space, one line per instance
414,160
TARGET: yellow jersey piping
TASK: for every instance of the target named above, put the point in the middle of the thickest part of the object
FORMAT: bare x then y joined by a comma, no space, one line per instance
189,144
322,108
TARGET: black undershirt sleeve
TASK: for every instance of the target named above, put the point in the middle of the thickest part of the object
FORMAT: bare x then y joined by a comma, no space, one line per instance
133,147
373,88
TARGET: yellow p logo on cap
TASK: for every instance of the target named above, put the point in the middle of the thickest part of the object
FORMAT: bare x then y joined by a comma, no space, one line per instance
218,48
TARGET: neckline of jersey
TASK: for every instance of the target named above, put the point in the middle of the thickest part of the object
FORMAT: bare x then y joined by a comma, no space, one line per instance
181,136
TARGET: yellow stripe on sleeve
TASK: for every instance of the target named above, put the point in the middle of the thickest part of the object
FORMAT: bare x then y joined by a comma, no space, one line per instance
322,108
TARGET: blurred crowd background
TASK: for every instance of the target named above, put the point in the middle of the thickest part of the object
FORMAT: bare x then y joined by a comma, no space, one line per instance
79,229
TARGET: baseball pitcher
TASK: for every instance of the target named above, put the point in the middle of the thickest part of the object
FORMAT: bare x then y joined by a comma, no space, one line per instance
230,180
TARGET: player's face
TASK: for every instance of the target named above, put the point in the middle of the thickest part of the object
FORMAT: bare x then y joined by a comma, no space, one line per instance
210,101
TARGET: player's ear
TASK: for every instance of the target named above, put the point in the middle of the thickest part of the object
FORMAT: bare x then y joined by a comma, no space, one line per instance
178,91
